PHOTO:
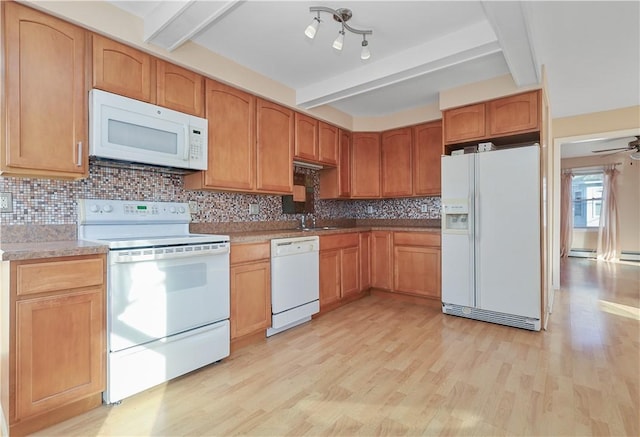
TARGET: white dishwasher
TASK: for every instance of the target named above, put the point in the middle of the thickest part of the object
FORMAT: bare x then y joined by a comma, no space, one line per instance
295,289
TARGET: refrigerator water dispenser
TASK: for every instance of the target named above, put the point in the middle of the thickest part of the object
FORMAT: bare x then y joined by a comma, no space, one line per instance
455,216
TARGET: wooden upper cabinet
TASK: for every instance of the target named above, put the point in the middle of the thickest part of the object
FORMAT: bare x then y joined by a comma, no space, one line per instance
464,124
306,137
396,163
122,70
365,165
328,143
427,151
45,115
344,164
514,114
274,142
231,159
179,89
336,182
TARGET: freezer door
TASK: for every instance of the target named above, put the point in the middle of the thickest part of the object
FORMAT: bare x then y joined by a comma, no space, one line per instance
507,229
457,246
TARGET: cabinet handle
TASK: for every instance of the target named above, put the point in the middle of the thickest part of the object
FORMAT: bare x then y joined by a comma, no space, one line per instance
79,162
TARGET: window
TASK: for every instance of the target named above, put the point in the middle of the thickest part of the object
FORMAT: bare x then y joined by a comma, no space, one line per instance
587,200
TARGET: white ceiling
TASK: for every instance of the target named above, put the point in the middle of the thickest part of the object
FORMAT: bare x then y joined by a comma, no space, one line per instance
591,49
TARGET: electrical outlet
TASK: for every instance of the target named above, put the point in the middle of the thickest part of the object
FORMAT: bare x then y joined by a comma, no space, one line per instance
424,208
253,209
193,207
6,202
369,209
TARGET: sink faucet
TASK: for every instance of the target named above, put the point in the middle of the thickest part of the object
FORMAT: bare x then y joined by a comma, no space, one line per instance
303,222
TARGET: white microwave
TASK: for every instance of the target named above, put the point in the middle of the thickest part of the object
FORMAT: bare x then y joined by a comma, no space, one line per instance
129,130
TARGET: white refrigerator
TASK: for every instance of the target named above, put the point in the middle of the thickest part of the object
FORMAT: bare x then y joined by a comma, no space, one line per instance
491,262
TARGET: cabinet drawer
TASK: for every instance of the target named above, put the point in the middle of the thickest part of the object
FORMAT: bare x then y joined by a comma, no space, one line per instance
42,277
246,252
416,239
338,241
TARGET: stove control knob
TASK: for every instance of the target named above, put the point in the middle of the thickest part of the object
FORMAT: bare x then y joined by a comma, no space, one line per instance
94,208
172,210
182,210
107,208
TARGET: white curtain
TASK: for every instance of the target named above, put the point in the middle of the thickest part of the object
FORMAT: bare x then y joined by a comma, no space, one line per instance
566,214
608,239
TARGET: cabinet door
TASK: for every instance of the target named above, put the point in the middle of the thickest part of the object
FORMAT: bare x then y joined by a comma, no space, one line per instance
60,350
336,182
514,114
274,148
179,89
250,298
396,167
365,260
46,96
381,260
120,69
464,124
427,150
365,165
306,137
329,277
328,141
350,263
344,165
231,156
417,270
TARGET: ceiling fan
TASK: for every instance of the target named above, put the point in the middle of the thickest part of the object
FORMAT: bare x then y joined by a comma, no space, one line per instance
633,147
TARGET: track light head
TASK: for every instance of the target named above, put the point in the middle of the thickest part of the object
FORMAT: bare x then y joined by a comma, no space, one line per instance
365,53
312,28
341,15
337,44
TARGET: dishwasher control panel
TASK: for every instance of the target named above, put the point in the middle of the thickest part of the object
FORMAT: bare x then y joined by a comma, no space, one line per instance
294,245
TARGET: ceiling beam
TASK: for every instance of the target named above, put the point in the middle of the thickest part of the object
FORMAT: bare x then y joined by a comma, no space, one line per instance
173,23
463,45
511,26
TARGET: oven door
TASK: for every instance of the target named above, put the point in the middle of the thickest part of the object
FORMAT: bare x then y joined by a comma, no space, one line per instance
158,292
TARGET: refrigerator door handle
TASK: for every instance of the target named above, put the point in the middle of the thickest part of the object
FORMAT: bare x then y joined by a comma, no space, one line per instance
476,233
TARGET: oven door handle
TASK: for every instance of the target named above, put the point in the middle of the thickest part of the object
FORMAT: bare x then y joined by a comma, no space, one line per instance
138,255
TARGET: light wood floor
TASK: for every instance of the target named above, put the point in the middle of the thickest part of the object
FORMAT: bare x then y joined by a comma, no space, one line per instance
381,366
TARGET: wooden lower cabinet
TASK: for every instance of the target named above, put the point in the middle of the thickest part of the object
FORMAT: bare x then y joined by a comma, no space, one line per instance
381,270
329,277
57,340
339,268
416,264
250,285
365,260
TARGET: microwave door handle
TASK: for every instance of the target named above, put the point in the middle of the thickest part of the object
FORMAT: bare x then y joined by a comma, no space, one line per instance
187,146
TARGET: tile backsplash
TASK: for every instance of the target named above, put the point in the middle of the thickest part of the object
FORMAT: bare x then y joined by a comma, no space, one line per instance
47,201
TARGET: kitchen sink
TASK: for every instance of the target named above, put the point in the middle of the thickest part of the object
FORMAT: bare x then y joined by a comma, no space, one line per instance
320,228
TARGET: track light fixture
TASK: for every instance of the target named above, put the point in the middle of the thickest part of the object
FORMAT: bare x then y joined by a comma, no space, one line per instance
341,15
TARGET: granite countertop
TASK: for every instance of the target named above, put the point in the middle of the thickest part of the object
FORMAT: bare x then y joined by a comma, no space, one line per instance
49,249
26,245
256,236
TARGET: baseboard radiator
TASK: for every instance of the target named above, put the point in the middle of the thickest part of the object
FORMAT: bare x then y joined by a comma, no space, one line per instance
492,316
626,255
